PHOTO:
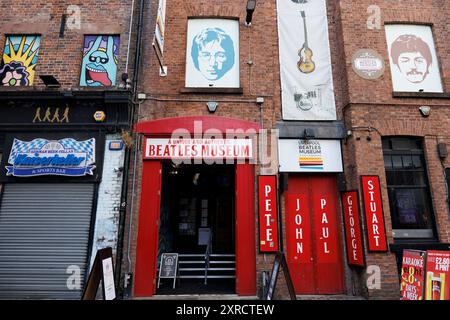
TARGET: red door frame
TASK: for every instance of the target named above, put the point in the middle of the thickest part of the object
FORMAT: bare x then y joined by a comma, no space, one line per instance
149,213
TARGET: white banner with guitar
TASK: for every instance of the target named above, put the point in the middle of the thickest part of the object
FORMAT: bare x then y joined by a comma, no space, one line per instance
305,60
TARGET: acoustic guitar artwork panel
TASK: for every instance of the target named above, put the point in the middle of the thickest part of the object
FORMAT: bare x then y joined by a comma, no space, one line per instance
305,61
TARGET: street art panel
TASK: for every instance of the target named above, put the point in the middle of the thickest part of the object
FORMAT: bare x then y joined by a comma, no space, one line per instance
413,59
212,55
20,57
99,64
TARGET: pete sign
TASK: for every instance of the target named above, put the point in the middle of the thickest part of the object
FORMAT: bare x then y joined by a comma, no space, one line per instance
268,223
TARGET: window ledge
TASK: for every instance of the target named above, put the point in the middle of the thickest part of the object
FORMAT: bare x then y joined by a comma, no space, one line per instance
415,244
435,95
212,90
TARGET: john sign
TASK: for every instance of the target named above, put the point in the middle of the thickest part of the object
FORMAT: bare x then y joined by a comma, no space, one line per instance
65,157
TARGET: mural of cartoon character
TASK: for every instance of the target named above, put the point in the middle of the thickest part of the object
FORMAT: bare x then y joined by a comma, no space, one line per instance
99,64
20,57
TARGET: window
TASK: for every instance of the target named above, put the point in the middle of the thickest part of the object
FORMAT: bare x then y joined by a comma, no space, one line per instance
408,189
20,57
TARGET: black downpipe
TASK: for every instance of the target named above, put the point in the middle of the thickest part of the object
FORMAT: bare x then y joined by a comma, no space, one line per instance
128,151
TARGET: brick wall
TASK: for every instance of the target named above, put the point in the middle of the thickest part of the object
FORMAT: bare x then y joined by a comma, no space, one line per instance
372,105
61,57
108,201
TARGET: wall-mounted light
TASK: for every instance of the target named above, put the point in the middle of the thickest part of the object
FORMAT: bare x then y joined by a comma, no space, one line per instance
50,81
251,5
425,111
212,106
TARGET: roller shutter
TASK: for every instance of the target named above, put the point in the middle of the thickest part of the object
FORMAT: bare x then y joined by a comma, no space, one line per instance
44,229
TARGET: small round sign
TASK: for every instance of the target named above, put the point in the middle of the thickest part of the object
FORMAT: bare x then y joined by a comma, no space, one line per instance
99,116
368,64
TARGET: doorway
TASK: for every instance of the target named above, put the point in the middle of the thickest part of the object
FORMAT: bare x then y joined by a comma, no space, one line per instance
313,238
197,221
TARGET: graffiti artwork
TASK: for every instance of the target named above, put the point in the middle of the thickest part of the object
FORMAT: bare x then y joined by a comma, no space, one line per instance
20,57
99,65
212,53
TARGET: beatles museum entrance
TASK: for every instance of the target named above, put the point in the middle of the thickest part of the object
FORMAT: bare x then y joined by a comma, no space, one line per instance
202,210
197,222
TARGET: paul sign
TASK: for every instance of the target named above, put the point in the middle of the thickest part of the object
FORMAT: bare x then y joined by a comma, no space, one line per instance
65,157
373,207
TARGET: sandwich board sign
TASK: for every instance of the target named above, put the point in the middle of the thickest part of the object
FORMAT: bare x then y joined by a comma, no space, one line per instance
103,270
168,267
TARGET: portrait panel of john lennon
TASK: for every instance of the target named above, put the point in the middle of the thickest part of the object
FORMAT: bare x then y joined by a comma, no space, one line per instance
413,58
212,57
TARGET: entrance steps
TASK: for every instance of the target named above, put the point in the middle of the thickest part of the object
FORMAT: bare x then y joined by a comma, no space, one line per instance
202,266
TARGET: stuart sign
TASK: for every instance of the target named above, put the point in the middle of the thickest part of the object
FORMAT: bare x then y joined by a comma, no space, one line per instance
373,207
65,157
198,149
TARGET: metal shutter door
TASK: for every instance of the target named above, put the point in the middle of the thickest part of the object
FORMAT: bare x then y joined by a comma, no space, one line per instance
44,228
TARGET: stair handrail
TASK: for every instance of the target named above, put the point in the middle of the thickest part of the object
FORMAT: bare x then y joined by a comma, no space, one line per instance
207,254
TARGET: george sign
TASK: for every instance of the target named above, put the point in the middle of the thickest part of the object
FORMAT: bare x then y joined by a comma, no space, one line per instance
355,249
168,267
305,61
309,155
280,261
65,157
438,275
412,275
368,64
413,59
102,270
373,207
198,149
268,214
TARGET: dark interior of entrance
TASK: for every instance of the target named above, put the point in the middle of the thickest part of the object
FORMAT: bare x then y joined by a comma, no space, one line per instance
197,221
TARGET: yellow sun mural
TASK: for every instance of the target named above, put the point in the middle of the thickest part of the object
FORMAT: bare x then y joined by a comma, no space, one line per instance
20,58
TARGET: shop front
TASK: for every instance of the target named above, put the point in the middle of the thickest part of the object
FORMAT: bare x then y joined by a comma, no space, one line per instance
310,170
52,200
197,201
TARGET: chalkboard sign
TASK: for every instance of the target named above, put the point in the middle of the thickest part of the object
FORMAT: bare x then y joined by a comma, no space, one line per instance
168,267
102,270
280,261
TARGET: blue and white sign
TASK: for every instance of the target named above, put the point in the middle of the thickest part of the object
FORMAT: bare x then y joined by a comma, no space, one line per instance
65,157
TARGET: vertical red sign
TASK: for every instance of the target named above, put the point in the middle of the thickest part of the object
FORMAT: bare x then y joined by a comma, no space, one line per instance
438,275
268,218
412,275
298,229
325,228
373,208
355,251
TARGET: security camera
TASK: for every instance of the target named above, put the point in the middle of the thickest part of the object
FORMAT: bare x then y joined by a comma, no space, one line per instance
425,110
118,169
259,100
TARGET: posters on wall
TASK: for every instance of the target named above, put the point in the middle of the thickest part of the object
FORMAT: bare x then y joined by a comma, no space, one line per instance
158,41
413,59
99,63
212,53
412,275
438,275
20,57
305,61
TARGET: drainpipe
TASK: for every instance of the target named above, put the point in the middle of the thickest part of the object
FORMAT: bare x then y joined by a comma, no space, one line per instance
128,151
